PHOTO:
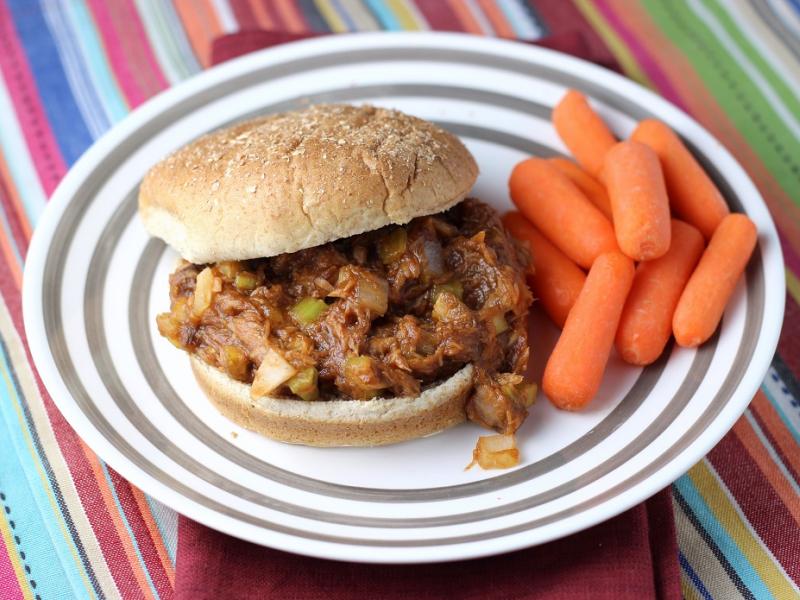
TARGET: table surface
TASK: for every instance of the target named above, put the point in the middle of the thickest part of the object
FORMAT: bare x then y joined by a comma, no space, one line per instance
70,69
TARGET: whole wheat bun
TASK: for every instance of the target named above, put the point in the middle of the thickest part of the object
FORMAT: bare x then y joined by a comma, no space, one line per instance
338,422
285,182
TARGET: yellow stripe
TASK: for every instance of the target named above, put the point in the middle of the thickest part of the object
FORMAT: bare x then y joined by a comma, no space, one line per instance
5,531
793,285
45,483
616,45
688,589
719,502
404,15
330,15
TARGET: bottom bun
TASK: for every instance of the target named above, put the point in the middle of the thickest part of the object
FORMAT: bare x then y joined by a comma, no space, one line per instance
339,422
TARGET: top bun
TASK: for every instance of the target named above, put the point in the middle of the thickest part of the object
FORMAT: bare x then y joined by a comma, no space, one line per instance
286,182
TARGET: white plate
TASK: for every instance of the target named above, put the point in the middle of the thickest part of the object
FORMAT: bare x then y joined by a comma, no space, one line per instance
94,282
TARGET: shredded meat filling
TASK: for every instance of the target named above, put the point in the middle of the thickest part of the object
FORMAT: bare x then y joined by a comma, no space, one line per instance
384,313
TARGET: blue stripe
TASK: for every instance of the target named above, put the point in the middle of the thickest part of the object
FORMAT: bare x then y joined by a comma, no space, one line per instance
784,417
40,538
128,528
345,16
77,71
5,231
88,39
167,522
313,16
385,16
48,469
693,577
795,5
62,113
720,537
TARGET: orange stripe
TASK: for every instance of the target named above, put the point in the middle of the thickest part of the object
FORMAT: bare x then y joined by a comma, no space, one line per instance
11,260
761,457
291,17
777,430
155,533
5,175
263,18
466,17
201,26
705,108
122,533
497,18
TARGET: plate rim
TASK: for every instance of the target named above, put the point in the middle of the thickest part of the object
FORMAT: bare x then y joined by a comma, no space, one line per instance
735,405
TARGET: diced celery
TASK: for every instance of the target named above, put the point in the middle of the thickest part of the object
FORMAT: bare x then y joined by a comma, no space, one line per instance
229,268
236,362
246,281
304,384
454,287
392,245
308,310
528,391
500,324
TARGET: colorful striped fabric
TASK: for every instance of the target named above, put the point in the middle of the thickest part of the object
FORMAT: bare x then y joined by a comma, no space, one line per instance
73,528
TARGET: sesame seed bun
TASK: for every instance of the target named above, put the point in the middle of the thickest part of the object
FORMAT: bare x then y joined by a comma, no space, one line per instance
285,182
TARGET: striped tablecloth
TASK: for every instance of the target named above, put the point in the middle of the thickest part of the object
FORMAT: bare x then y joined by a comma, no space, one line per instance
72,528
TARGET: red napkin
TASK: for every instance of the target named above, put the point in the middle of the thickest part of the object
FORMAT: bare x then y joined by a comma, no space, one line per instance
632,556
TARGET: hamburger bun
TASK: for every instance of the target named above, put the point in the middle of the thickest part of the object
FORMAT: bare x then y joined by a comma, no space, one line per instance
285,182
282,183
338,422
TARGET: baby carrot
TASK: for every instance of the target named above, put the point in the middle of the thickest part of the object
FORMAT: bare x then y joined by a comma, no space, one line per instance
703,301
560,211
575,368
693,195
582,131
554,279
635,185
646,322
590,187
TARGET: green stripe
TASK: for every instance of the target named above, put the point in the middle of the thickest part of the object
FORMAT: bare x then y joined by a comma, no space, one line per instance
774,79
733,90
168,41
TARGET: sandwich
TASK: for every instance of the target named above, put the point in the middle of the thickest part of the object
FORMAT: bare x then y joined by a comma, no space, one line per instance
336,286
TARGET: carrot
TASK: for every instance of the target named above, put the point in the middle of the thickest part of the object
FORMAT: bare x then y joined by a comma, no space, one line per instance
575,368
554,279
560,211
582,131
590,187
693,195
646,322
635,185
703,301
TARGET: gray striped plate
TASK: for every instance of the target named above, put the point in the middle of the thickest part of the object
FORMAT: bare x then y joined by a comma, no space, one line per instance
94,281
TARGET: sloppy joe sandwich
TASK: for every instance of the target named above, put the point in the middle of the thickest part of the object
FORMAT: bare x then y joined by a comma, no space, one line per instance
336,287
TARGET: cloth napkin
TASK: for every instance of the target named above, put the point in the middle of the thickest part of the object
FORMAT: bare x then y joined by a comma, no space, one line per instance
632,556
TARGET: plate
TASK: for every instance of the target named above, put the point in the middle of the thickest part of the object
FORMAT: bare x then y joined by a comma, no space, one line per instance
94,282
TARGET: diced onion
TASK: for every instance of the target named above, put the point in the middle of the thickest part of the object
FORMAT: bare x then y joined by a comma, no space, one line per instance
273,372
495,452
372,292
434,257
203,292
